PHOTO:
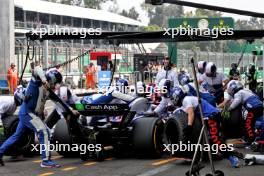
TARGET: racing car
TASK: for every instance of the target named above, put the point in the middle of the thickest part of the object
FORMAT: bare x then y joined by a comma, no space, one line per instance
115,127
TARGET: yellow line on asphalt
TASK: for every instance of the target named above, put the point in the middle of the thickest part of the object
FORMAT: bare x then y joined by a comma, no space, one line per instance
69,168
89,163
53,158
165,161
46,174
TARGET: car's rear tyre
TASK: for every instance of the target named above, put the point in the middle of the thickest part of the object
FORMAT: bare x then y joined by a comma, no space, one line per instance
174,132
233,124
62,137
24,145
147,137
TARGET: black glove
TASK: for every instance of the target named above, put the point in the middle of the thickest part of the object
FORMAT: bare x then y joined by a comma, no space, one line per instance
187,131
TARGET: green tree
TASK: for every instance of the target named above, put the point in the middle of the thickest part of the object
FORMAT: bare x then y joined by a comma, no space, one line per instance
159,15
132,13
94,4
114,8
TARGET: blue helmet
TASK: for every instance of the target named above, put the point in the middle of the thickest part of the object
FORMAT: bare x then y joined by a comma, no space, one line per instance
177,95
19,95
54,77
184,79
89,99
233,87
121,84
165,86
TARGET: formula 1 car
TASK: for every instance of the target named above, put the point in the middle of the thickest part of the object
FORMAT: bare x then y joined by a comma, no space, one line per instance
115,127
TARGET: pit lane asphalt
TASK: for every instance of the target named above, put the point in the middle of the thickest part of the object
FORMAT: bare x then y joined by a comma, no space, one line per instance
131,166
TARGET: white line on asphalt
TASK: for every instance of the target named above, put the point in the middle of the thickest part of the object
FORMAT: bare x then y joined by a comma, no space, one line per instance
157,170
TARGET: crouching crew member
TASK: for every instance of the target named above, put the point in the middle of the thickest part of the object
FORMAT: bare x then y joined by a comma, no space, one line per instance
251,103
189,104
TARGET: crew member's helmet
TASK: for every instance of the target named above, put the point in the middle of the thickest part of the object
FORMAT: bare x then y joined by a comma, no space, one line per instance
19,95
233,87
121,85
178,95
184,79
201,66
165,86
210,69
53,77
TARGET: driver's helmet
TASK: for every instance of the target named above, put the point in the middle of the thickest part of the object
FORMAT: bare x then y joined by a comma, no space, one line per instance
210,69
165,86
184,79
121,85
89,99
233,87
201,66
178,95
19,95
54,77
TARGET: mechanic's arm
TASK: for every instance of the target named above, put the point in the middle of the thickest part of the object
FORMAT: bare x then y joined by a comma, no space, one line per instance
158,78
225,81
38,71
74,98
222,105
162,106
76,113
236,102
175,79
190,112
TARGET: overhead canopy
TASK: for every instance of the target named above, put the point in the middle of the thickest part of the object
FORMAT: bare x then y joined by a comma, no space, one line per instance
151,37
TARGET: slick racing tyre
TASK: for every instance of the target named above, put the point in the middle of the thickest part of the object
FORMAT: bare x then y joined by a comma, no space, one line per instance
147,137
232,123
62,138
174,132
24,145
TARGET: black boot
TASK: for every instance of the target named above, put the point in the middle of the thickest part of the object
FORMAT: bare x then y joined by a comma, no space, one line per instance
2,162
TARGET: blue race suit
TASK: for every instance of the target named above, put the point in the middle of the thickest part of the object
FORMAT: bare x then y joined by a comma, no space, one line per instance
29,118
208,97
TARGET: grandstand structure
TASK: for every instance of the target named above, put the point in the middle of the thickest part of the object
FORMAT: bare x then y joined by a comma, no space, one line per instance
27,15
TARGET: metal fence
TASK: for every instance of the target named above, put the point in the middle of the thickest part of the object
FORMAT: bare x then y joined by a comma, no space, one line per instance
60,51
223,61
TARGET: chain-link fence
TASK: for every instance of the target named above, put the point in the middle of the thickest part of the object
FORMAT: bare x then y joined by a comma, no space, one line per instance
223,61
61,51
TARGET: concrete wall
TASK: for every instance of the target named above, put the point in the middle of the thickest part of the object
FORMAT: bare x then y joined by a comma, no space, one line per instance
6,36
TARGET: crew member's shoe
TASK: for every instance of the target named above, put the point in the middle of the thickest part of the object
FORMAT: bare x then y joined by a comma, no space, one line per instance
1,162
234,161
49,164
